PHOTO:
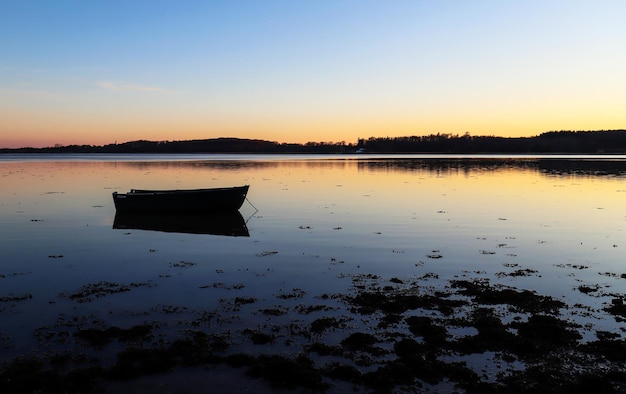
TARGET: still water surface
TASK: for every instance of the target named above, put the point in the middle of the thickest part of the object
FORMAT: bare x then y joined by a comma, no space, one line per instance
312,222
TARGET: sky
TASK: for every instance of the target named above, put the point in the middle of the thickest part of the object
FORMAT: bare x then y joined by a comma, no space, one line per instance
100,72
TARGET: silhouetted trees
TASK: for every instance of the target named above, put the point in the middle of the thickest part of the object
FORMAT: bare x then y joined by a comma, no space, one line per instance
603,141
215,145
611,141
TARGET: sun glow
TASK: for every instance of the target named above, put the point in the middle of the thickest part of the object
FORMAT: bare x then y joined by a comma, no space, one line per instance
326,72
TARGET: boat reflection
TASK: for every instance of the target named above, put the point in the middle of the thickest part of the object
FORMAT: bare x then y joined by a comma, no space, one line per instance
229,224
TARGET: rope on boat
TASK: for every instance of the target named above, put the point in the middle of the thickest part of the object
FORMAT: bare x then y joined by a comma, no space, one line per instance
255,209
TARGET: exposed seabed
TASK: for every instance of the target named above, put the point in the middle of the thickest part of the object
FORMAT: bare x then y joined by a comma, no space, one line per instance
381,335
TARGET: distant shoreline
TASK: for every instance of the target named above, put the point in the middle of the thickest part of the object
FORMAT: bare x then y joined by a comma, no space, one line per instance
554,142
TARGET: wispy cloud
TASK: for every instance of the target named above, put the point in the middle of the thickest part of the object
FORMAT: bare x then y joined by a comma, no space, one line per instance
129,87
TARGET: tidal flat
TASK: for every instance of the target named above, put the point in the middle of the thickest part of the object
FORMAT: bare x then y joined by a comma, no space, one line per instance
364,274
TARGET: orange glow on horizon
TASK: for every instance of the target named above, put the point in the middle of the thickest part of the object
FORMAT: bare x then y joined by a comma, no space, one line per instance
45,129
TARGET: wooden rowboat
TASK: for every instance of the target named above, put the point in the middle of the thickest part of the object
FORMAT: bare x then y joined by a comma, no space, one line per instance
226,199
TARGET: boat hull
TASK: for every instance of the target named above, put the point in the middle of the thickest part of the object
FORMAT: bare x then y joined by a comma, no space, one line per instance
228,199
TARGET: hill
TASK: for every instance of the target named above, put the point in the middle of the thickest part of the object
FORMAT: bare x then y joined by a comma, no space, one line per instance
603,141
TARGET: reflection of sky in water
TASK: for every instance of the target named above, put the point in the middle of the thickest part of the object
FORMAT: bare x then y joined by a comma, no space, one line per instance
326,218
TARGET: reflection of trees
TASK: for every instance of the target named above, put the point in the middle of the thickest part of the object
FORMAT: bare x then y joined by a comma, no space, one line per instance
548,166
583,168
557,167
221,165
234,164
446,166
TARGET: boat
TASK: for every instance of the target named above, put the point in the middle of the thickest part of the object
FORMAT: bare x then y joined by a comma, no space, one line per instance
229,224
224,199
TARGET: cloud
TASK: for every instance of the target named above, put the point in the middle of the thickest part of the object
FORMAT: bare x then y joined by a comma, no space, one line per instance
129,87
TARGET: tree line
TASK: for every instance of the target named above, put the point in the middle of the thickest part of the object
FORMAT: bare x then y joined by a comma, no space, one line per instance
213,145
602,141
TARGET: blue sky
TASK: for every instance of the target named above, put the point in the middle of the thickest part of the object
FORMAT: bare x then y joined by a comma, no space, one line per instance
296,71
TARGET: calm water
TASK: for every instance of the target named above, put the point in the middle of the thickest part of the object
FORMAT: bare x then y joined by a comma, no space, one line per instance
313,222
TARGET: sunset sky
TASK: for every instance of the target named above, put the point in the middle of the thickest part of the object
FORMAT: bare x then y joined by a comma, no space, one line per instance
97,72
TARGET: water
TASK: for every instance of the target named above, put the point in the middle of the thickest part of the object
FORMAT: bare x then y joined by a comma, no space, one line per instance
314,223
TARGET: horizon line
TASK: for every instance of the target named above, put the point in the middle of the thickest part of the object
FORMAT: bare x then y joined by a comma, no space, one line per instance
455,135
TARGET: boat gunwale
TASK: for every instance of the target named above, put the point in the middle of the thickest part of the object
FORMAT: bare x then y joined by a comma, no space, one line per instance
181,191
